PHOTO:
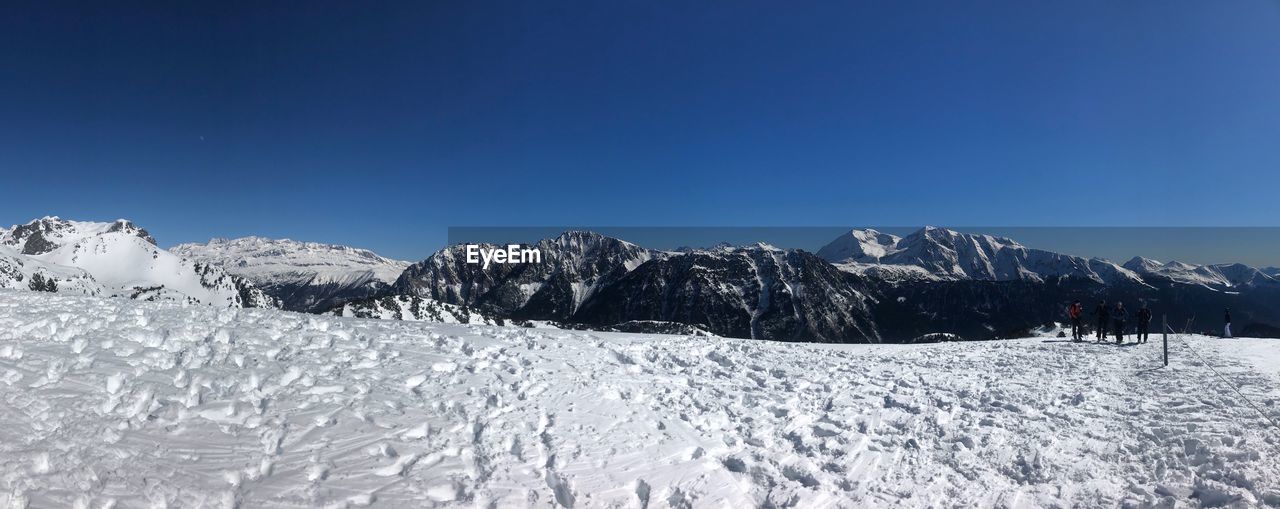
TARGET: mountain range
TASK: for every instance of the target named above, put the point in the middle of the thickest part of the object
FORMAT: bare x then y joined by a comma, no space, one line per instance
864,286
304,276
950,255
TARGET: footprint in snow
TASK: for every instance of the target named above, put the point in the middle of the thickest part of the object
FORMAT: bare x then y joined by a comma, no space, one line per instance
415,381
399,468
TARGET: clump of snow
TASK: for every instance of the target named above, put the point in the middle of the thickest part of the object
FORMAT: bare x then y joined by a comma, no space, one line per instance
116,402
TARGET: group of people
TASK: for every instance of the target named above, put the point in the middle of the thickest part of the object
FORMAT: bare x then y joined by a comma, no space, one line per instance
1117,318
1109,318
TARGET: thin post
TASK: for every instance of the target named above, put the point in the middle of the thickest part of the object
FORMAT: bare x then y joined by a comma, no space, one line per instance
1165,330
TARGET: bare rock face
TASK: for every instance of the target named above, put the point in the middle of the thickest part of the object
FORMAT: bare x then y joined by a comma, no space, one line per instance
573,268
758,292
125,226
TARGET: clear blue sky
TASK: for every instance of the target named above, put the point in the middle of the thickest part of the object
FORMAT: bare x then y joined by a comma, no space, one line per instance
379,124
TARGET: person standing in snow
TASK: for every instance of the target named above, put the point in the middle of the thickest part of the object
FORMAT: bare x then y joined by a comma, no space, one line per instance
1144,323
1104,319
1119,315
1226,331
1075,312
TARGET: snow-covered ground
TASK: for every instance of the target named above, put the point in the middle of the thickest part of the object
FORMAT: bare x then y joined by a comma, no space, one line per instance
153,404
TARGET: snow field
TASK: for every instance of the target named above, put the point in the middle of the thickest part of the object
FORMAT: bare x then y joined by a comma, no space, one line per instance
155,404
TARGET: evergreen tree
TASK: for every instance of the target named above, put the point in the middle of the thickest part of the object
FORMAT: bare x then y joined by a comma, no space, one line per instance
37,282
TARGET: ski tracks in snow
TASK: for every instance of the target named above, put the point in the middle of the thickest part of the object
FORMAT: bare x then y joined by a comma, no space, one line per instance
156,404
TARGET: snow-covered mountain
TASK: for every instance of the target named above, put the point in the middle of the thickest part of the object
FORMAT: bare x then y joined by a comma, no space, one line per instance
114,259
863,246
49,233
1218,277
586,278
574,266
949,254
304,276
749,292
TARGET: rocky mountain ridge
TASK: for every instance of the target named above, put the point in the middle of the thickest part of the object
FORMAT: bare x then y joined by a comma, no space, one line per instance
304,276
865,286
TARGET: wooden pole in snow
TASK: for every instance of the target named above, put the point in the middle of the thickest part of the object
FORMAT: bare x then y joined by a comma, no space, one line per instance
1165,319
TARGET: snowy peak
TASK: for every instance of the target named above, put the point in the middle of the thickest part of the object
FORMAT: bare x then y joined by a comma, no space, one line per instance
51,232
1219,277
113,259
1143,265
961,255
578,247
127,227
573,266
585,239
948,254
954,239
866,246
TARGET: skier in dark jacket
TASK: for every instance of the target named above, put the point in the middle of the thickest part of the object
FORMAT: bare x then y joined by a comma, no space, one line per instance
1104,319
1119,315
1226,330
1076,312
1144,323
